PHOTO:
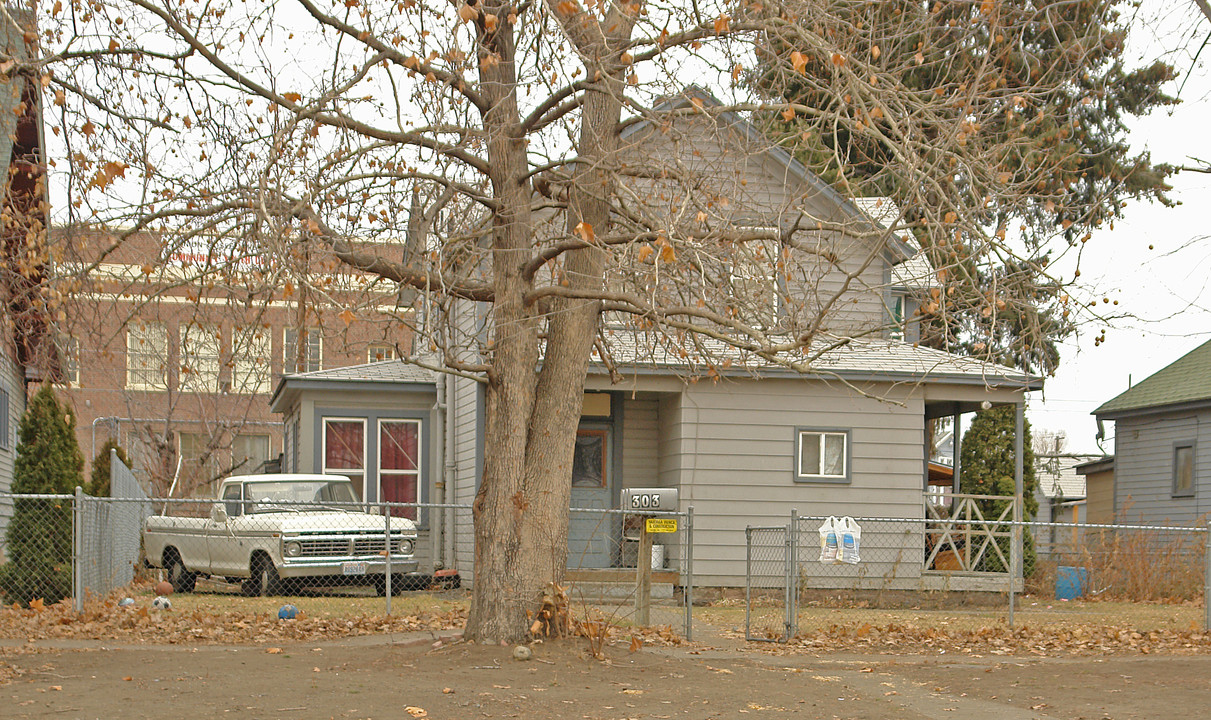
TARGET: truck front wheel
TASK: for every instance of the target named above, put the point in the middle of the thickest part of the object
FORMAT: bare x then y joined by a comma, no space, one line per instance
265,580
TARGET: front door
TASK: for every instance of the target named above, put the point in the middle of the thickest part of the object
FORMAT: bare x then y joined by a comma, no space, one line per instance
590,534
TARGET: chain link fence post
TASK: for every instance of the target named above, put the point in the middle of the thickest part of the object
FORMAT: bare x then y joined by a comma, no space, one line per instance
748,583
1207,579
689,573
792,573
387,551
1015,555
77,554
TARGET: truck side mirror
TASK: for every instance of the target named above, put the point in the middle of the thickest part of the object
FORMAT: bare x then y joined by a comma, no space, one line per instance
218,513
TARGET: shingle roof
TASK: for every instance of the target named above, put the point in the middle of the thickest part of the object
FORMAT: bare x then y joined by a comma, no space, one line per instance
850,358
385,371
1186,380
1057,477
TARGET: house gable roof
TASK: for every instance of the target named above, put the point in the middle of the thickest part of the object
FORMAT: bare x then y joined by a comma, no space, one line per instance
1186,380
696,95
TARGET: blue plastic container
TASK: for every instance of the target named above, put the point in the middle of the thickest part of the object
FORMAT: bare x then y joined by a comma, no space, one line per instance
1070,582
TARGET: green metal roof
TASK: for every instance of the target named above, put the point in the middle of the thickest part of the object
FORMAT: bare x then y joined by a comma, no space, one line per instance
1186,380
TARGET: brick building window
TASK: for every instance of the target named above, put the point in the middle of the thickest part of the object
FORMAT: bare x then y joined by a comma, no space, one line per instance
250,352
378,352
309,360
146,356
200,358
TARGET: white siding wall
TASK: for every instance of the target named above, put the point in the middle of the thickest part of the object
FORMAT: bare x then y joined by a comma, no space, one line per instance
465,409
762,192
735,451
640,442
12,381
1143,468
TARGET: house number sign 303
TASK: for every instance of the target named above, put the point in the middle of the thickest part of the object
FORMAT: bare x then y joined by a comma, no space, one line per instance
645,500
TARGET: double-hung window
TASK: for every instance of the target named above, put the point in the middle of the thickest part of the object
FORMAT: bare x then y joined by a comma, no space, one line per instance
1183,470
305,359
399,464
200,358
345,450
378,352
821,455
754,281
250,360
146,356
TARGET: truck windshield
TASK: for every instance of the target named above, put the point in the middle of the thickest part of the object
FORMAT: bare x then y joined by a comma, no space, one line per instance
290,494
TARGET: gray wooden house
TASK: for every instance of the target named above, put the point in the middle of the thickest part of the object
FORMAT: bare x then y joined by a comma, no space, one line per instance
1162,443
27,350
744,444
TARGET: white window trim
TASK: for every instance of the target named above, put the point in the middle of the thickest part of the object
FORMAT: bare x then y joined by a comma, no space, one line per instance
250,360
388,355
846,456
200,337
268,449
324,469
288,359
137,330
420,457
1175,492
69,346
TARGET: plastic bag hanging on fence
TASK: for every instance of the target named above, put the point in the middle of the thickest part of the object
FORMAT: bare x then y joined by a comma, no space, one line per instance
828,541
851,537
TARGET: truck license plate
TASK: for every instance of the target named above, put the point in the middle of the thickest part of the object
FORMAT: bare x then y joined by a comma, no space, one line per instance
353,568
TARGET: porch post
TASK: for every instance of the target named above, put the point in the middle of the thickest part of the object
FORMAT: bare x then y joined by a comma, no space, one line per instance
956,476
1015,551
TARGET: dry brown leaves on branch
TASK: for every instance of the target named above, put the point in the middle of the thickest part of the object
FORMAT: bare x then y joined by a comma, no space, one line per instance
104,620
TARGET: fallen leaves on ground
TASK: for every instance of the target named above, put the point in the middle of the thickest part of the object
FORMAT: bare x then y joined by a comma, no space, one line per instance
104,620
1025,640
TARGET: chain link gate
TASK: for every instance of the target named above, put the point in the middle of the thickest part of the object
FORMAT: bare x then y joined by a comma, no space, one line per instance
769,584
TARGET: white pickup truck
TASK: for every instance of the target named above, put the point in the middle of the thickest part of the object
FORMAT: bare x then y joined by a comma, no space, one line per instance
268,530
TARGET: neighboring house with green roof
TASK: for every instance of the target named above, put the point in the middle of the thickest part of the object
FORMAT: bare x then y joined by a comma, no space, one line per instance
1163,443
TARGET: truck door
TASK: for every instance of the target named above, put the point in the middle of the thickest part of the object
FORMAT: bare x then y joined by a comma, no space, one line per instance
223,548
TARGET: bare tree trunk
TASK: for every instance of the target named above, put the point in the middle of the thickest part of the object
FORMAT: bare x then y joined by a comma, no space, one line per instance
502,593
521,510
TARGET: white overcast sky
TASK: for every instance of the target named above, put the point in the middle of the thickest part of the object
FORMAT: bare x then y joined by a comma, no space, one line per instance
1167,289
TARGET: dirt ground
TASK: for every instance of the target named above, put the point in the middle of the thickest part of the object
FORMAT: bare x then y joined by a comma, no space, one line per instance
404,675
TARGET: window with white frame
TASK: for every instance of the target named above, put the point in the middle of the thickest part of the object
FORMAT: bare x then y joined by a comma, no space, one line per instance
5,431
399,462
344,451
309,359
753,280
200,347
896,311
378,352
250,351
249,452
198,457
821,455
146,356
69,348
1183,470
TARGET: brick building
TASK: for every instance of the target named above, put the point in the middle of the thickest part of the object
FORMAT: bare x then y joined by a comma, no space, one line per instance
173,345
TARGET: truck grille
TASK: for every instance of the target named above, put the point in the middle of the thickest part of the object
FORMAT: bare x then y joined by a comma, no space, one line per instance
319,548
368,546
351,546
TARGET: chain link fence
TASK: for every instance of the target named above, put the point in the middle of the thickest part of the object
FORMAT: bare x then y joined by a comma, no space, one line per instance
622,575
967,573
301,539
